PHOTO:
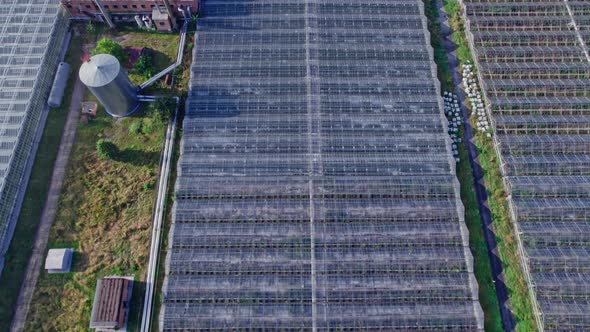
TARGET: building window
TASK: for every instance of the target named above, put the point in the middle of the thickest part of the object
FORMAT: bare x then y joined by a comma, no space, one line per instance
161,23
115,6
133,6
142,6
124,6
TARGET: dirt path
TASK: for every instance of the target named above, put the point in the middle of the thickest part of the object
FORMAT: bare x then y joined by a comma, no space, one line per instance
481,193
37,258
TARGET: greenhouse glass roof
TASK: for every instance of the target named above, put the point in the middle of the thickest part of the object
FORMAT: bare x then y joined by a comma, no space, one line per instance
29,31
316,188
534,65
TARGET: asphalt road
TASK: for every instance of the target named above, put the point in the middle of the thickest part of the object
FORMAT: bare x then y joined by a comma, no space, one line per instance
482,196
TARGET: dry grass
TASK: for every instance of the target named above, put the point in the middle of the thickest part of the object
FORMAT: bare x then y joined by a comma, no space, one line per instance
104,211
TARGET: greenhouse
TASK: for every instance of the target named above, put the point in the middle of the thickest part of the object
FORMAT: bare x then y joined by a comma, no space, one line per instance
534,63
316,188
31,33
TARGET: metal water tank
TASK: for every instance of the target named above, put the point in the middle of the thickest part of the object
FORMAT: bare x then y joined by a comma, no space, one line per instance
103,75
59,85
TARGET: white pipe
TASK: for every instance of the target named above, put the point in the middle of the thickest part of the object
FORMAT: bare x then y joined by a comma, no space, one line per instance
158,218
138,21
182,11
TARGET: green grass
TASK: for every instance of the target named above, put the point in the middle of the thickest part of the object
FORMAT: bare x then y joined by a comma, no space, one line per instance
105,211
164,45
519,297
520,302
36,193
482,268
440,55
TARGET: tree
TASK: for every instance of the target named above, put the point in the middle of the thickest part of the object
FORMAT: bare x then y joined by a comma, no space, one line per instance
108,46
145,67
163,109
106,149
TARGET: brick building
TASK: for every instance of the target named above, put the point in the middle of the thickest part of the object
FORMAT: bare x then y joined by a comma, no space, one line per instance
127,10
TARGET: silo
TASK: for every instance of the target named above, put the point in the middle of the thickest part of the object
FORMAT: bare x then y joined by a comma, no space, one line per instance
103,75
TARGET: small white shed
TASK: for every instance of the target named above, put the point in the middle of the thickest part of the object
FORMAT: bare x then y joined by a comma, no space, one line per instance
59,260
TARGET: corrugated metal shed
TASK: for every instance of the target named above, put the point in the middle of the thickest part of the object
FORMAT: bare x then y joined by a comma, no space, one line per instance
111,303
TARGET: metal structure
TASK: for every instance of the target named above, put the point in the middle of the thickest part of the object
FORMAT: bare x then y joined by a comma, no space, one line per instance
59,85
316,188
173,66
105,78
533,62
31,33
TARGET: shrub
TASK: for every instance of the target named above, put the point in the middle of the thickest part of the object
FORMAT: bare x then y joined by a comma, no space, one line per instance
106,149
108,46
148,126
136,127
163,109
145,66
148,185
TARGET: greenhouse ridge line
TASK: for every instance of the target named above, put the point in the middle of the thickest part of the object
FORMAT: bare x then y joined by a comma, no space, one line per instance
310,138
577,30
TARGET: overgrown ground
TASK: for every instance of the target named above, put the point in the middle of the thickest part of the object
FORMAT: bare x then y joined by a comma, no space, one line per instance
105,209
105,213
165,48
26,227
482,268
520,303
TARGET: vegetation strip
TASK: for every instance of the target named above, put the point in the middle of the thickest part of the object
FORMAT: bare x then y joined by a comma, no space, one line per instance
520,302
